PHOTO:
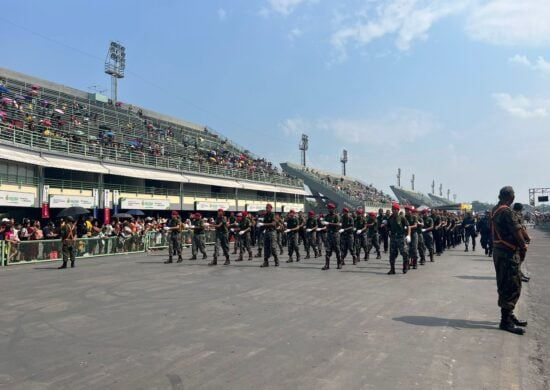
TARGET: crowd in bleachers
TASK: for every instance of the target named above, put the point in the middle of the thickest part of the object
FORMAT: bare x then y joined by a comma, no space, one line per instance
351,187
107,128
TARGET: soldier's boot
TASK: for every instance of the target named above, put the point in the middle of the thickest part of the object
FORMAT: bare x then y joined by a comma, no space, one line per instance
276,260
63,266
378,256
297,257
72,263
473,248
227,262
240,257
265,264
259,254
422,260
180,259
431,257
366,258
406,265
194,257
466,250
290,260
169,261
415,263
517,321
507,324
340,263
327,263
354,260
280,251
204,256
307,255
249,256
214,261
392,269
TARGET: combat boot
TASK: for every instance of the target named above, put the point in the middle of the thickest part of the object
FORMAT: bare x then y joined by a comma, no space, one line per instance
414,263
466,250
265,264
297,257
327,263
63,266
193,258
169,261
431,257
339,263
259,254
180,259
204,256
354,260
392,270
406,266
516,321
307,256
240,257
227,262
276,261
290,260
72,264
507,324
214,262
378,256
250,256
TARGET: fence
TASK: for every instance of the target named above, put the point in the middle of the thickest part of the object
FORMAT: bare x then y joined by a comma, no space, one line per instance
159,240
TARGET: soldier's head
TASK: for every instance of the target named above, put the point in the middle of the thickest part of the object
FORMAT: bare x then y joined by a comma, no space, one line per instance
506,195
425,212
69,219
345,210
395,208
311,213
331,207
175,214
360,212
372,214
380,211
268,208
291,213
220,212
518,207
408,209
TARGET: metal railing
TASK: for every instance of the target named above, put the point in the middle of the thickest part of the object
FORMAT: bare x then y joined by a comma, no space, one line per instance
159,239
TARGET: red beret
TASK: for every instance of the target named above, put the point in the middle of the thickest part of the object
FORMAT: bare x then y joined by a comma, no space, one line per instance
359,211
425,211
220,210
345,210
409,207
292,211
175,212
269,206
331,206
372,214
414,209
311,212
245,213
395,206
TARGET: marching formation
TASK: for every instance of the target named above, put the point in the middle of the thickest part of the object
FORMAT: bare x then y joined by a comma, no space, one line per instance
416,236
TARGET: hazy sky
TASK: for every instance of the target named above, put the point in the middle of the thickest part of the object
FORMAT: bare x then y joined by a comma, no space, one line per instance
451,90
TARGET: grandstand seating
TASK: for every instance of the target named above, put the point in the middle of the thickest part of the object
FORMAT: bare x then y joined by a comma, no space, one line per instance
66,121
343,190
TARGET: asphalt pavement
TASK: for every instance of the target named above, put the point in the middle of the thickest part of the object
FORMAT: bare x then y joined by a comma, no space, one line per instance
132,322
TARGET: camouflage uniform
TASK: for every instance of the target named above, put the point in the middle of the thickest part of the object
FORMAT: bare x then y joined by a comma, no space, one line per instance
372,237
244,239
346,238
174,239
333,241
421,245
198,238
311,236
397,225
221,239
360,238
413,245
292,238
428,236
269,240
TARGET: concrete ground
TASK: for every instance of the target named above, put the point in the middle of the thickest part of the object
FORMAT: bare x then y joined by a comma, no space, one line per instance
135,323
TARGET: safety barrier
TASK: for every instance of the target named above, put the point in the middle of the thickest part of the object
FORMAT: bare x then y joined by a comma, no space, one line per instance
159,239
25,252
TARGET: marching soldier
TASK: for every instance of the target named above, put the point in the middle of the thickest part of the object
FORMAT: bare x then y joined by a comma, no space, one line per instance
400,232
332,222
268,226
360,235
518,217
469,226
292,231
259,233
419,229
174,237
382,220
311,235
245,227
197,224
508,251
484,228
279,229
233,224
427,233
372,235
321,233
346,237
221,238
413,245
68,236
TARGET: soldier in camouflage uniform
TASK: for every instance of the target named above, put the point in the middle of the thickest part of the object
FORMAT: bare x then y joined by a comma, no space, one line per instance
245,227
292,231
399,230
279,231
469,227
197,224
427,233
421,246
260,233
174,237
221,238
311,235
268,226
413,245
509,249
518,218
382,220
233,224
346,237
372,235
68,239
321,233
360,234
332,222
484,228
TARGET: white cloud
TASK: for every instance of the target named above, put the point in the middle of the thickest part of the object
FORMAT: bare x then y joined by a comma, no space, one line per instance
283,7
295,126
295,33
222,14
511,22
521,106
407,20
540,65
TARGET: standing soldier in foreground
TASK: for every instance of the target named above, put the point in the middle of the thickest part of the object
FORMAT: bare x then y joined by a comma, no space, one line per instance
518,215
509,249
197,224
346,237
68,235
427,233
311,236
360,235
332,222
268,226
292,231
399,232
221,238
244,236
372,235
174,237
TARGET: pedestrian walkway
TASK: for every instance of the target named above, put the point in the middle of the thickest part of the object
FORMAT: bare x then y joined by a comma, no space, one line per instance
132,322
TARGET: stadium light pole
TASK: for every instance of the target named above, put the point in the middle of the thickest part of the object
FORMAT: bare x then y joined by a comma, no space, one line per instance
398,177
344,160
115,64
304,145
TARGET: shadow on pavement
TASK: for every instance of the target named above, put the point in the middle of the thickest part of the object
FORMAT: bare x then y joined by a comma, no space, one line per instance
449,322
470,277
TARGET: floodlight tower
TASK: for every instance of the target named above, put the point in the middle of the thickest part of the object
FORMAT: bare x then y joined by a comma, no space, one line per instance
115,63
398,177
304,143
433,187
454,198
344,160
440,189
412,182
448,194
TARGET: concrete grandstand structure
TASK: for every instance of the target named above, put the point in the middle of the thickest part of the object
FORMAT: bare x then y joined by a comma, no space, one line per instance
344,191
61,146
418,199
